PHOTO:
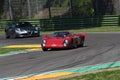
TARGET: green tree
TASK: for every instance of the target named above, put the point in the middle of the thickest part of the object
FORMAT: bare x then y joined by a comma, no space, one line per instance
1,7
82,7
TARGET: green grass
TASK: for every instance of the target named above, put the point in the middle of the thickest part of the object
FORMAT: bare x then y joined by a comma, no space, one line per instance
6,50
100,29
2,32
105,75
92,29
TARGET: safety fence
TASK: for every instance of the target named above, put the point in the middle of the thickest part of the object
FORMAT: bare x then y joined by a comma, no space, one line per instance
69,23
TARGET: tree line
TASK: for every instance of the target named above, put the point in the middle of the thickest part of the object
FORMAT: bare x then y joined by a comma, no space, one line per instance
77,7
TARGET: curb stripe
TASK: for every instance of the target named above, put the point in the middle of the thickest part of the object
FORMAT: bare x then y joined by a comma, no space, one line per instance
92,67
24,46
47,76
27,48
70,71
34,49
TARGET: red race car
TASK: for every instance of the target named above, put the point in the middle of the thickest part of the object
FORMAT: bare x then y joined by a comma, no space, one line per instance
62,40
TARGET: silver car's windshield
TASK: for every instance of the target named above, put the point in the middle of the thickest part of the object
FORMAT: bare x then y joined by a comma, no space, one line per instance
23,25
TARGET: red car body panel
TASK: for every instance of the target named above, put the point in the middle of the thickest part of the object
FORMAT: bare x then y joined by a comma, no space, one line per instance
57,42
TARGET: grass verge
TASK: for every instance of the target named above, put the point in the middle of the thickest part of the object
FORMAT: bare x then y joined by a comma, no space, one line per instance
7,50
2,32
92,29
105,74
99,29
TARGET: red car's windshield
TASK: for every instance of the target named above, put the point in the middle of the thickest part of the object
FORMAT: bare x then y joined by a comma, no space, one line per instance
61,34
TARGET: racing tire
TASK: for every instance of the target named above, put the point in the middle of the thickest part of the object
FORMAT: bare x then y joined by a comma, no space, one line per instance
45,49
73,44
38,35
82,42
13,35
7,36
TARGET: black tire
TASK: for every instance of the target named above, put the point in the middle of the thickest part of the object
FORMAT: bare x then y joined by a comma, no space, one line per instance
13,35
82,42
73,44
7,36
45,49
38,35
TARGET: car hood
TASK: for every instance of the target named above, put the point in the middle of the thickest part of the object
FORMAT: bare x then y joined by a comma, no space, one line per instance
55,40
27,29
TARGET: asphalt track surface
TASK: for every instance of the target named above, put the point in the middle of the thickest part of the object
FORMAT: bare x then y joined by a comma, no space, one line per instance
99,48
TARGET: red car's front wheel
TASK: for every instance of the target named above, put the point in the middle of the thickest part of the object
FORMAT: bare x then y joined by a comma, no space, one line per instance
73,44
45,49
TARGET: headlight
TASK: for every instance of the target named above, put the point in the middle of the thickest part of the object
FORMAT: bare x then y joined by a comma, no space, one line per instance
20,31
17,29
64,45
43,44
44,41
36,28
66,41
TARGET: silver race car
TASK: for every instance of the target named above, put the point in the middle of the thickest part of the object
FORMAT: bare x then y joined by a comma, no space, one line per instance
22,29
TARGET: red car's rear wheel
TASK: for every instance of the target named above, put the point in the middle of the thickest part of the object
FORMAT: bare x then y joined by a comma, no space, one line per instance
82,42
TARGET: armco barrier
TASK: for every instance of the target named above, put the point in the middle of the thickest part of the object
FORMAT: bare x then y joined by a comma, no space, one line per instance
69,23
